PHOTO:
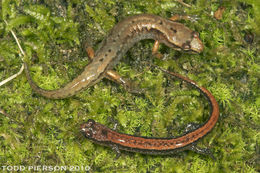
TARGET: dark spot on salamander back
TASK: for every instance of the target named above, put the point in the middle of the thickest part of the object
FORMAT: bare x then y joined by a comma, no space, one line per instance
174,30
109,50
187,139
101,59
160,22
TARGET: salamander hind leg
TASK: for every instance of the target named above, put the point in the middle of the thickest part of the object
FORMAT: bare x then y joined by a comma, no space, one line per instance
129,86
204,151
113,75
191,127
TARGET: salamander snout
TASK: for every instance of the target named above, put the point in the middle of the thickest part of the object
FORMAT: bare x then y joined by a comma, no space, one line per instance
87,128
196,44
95,131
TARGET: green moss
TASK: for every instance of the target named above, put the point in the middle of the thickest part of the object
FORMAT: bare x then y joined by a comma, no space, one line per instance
39,131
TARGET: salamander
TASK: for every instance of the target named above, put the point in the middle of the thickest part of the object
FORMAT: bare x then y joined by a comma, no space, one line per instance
122,37
103,135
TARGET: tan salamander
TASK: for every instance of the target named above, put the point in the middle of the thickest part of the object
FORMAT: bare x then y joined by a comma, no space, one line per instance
122,37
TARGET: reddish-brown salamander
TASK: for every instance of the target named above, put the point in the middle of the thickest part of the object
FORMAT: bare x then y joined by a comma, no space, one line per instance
123,36
101,134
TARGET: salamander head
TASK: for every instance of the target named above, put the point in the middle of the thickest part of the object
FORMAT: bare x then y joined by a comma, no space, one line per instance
94,131
183,38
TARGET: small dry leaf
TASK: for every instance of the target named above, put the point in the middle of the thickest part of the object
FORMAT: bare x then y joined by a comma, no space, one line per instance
219,13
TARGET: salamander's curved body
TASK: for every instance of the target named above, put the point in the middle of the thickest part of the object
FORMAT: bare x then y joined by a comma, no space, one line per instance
122,37
101,134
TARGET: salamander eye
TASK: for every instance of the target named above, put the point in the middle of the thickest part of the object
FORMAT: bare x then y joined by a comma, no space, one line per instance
186,46
174,30
195,34
88,133
90,123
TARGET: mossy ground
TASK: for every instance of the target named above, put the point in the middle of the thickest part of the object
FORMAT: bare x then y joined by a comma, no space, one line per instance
39,131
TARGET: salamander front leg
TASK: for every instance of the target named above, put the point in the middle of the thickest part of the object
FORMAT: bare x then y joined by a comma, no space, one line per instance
155,50
116,149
